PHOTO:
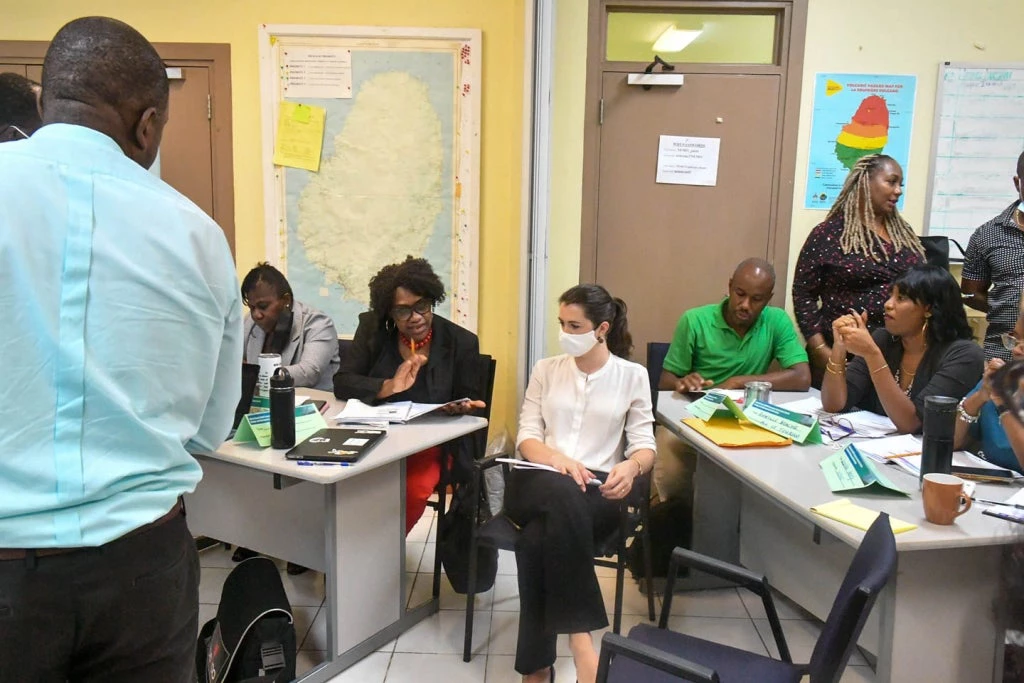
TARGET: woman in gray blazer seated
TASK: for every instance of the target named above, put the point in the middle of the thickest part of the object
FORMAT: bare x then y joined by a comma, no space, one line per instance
305,338
277,323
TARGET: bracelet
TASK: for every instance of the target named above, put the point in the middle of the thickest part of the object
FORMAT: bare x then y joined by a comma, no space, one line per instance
639,467
884,366
837,370
962,413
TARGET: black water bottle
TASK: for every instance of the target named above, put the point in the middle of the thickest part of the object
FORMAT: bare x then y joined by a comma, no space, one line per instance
282,409
939,425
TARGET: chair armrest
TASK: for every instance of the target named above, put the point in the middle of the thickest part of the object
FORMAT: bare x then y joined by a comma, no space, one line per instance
723,570
488,461
755,583
613,644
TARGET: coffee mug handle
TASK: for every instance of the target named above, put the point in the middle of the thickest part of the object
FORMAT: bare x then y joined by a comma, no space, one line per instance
966,501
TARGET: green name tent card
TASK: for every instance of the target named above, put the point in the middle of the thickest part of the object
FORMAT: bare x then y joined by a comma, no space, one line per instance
714,402
256,426
848,470
792,425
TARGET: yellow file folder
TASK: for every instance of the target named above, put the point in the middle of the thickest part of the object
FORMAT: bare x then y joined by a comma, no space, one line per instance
729,432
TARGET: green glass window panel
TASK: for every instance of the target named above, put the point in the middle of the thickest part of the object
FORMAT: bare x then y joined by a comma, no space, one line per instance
723,38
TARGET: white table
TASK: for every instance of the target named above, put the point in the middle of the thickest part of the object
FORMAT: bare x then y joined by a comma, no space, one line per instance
348,522
934,622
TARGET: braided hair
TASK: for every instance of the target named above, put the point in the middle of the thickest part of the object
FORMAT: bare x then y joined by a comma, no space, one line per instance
854,205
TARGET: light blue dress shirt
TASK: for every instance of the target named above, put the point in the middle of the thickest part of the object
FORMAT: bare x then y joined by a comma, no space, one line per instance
122,341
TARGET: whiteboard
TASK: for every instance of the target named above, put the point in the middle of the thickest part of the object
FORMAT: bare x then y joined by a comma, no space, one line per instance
978,135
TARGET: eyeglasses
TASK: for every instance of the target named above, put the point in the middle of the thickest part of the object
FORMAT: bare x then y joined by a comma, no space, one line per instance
403,313
1010,342
835,427
17,130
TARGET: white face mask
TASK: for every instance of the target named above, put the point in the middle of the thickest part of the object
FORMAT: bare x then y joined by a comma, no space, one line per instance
577,344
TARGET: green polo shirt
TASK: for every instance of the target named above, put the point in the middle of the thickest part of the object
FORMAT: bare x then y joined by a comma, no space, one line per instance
705,343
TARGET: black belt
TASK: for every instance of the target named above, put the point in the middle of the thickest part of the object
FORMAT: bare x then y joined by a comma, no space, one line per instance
22,553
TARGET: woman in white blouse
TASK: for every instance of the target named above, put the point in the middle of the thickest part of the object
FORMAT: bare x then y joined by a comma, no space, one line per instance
587,413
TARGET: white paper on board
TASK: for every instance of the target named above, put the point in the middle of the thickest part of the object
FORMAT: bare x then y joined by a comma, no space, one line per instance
684,160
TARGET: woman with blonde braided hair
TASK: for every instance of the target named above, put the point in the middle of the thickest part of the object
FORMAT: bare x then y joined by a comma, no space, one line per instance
851,259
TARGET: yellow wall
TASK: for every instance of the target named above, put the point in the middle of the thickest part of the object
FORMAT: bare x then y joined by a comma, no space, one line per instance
870,36
236,21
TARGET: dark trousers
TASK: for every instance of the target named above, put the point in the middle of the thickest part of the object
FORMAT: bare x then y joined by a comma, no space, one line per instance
558,589
125,612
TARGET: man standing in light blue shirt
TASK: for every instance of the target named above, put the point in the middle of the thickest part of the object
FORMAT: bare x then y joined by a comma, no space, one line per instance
122,354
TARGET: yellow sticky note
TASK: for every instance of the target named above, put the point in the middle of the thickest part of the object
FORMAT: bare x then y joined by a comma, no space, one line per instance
300,136
842,510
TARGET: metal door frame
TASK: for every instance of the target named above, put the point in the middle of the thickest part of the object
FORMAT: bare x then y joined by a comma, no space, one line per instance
789,45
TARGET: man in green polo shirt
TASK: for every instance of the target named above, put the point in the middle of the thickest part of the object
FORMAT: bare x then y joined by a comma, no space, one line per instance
727,344
734,341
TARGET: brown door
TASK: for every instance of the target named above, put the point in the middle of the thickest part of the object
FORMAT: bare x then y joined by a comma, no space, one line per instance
186,152
195,153
667,248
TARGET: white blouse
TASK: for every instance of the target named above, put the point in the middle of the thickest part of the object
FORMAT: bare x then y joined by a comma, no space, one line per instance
597,419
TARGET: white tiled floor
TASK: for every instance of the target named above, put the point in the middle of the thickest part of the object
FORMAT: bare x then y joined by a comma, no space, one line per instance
432,650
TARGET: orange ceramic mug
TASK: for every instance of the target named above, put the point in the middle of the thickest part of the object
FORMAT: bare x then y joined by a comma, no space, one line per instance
944,498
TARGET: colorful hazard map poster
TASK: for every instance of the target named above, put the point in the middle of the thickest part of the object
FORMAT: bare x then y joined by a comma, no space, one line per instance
856,115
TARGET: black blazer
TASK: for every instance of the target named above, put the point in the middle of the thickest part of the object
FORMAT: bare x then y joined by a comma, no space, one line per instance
455,369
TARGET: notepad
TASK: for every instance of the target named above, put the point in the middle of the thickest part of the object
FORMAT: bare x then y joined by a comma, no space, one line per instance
731,433
842,510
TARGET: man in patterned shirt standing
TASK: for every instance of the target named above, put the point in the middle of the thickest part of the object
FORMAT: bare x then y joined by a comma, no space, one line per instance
993,272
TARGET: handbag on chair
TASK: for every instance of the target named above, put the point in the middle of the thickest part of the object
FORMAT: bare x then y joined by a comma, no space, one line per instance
453,544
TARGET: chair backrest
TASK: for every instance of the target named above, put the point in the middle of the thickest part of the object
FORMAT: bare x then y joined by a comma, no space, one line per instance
872,566
656,352
343,346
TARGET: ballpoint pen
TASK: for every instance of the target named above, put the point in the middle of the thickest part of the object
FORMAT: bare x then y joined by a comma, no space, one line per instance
308,463
996,502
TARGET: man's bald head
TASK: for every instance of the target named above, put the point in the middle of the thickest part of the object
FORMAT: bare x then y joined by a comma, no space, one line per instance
756,267
750,289
102,73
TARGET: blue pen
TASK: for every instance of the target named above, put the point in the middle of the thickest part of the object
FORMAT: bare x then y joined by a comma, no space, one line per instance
308,463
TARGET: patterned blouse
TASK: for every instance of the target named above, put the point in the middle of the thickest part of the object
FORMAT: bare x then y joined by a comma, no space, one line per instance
838,282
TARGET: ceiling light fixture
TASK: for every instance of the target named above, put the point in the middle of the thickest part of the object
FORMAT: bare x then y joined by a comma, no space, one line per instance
675,40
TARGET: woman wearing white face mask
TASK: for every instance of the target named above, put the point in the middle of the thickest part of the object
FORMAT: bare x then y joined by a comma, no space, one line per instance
587,414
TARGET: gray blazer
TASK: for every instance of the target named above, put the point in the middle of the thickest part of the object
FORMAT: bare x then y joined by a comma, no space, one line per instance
311,355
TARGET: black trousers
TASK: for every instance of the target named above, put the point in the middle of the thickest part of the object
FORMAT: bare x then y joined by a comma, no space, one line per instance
125,612
558,589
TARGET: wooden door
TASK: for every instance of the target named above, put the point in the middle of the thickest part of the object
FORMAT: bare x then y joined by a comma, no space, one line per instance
667,248
186,151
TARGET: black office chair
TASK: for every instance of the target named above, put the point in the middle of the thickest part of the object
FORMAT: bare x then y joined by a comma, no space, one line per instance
656,352
486,369
343,346
657,655
499,532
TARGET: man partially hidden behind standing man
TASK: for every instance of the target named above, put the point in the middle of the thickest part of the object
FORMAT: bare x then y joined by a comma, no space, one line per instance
993,275
19,107
123,352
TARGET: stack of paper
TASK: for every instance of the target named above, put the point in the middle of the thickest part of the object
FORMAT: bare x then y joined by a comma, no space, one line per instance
885,449
868,424
912,463
357,412
808,406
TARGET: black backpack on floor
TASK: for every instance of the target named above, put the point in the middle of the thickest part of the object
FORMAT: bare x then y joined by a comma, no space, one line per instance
252,639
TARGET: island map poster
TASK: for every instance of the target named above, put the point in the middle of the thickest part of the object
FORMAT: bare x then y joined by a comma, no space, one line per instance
856,115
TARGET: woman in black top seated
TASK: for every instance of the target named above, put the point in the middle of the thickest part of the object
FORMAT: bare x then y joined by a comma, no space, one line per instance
924,350
403,351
